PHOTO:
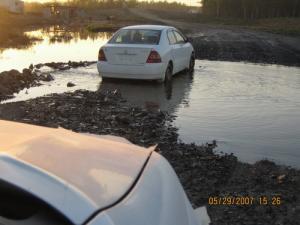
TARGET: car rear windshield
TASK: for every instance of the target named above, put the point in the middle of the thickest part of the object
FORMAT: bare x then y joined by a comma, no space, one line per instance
137,36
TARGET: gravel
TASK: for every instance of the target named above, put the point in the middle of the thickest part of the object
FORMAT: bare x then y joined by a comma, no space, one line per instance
202,172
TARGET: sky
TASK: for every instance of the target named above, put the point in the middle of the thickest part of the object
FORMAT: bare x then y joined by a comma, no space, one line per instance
188,2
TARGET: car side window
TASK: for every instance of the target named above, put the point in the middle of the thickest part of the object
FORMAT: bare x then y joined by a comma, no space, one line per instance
179,38
171,37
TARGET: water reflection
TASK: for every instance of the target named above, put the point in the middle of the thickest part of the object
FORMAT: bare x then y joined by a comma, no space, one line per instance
251,110
151,94
66,34
56,44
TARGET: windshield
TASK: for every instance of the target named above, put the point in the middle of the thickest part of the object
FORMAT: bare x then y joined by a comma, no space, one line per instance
136,36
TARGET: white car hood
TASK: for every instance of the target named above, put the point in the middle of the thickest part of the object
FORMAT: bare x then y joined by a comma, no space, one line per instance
75,173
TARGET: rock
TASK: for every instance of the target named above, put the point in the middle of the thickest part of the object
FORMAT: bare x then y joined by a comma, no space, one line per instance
39,66
47,77
13,81
14,73
281,178
27,72
70,84
64,67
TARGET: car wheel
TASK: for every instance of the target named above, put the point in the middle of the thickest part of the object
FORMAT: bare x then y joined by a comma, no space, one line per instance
192,64
168,74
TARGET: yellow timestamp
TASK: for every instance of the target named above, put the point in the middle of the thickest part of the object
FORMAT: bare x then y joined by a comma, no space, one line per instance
245,200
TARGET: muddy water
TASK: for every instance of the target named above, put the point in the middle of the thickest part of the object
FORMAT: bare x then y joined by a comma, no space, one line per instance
252,110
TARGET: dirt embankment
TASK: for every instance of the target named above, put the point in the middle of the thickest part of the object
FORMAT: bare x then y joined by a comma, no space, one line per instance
234,43
237,44
203,173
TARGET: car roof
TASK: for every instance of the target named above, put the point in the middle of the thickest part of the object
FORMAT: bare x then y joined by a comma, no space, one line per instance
77,174
149,27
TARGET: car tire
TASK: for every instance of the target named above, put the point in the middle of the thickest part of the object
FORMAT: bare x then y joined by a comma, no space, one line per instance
192,64
168,74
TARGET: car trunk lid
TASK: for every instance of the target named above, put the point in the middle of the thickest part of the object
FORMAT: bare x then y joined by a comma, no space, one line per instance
69,171
127,55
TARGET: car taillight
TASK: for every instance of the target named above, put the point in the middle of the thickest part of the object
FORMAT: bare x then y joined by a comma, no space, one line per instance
101,55
154,57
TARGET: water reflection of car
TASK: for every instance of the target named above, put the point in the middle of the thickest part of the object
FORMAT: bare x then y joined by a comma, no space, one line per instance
147,52
142,94
55,176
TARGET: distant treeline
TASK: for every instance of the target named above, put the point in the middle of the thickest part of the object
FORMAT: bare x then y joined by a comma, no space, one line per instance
99,3
107,4
124,3
161,5
36,7
251,9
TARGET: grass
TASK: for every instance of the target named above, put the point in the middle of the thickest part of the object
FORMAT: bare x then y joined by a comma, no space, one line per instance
103,27
285,26
118,18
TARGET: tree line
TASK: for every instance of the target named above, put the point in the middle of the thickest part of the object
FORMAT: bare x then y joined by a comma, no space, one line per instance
35,7
124,3
251,9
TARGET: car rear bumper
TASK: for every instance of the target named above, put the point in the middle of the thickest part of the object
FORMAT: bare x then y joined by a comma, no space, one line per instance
155,71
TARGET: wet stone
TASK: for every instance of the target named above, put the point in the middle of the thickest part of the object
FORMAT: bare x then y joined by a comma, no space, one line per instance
202,172
70,84
46,77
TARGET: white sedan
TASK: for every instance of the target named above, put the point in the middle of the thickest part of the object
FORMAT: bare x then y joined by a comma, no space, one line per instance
54,176
147,52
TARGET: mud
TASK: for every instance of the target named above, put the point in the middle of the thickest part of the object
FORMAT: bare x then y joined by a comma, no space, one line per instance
236,44
233,43
202,172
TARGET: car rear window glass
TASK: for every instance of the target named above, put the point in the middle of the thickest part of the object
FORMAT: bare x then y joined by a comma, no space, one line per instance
171,37
137,36
179,37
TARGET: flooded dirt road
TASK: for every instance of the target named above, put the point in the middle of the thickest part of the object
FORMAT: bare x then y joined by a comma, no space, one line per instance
251,110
